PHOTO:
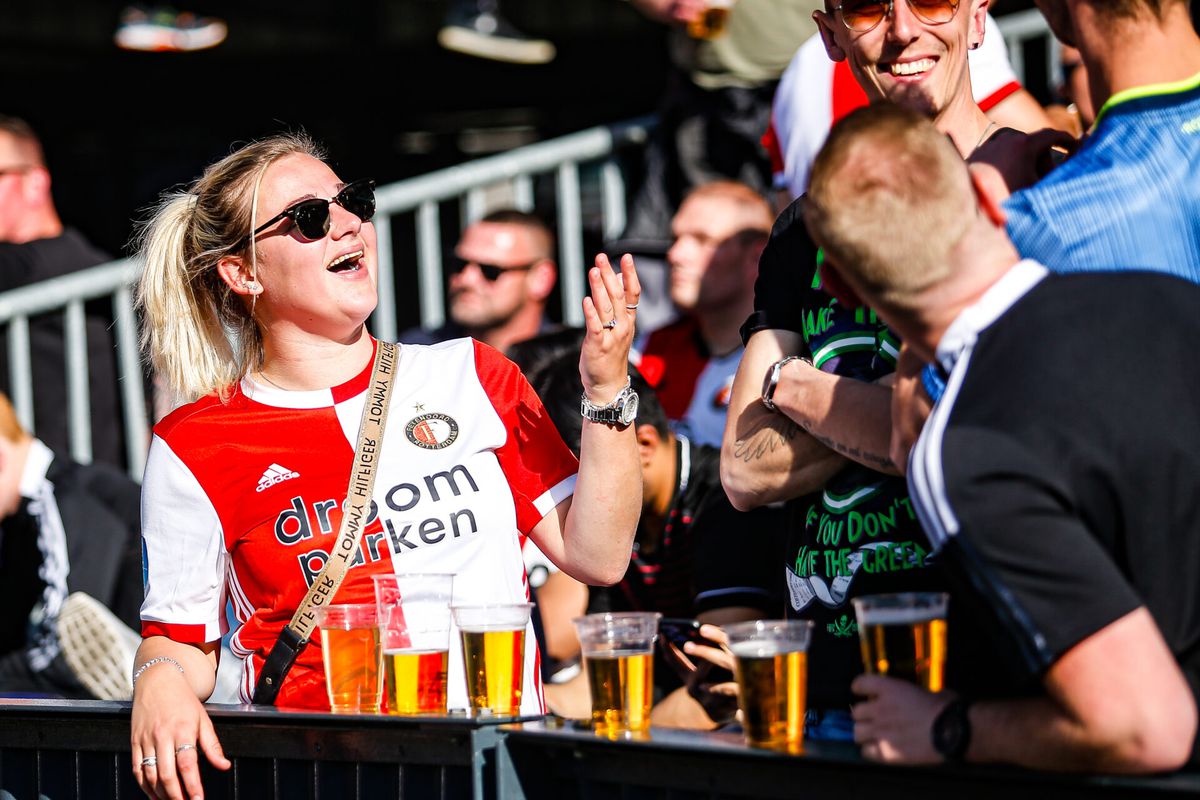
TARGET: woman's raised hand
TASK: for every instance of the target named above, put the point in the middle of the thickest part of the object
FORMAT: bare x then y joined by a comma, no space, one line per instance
609,315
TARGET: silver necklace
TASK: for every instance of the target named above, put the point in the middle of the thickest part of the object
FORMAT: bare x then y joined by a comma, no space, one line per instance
263,375
983,136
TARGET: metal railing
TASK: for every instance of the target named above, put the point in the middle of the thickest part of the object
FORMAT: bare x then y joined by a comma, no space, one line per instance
561,161
1029,26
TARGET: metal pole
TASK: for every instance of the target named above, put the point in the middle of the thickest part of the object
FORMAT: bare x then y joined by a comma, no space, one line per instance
133,397
20,370
570,244
79,416
383,321
429,265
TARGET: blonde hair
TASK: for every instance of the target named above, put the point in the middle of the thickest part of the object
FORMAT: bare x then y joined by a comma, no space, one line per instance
199,335
888,199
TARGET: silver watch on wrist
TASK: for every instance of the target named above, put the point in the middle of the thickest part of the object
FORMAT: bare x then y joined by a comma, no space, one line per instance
771,382
622,411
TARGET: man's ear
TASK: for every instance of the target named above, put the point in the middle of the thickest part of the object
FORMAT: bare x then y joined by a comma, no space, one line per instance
990,192
541,280
825,23
35,185
835,285
236,273
975,35
648,441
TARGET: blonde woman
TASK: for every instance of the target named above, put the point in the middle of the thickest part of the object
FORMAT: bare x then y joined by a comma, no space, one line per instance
257,285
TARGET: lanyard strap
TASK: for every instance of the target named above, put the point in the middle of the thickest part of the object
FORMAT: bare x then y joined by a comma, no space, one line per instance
295,635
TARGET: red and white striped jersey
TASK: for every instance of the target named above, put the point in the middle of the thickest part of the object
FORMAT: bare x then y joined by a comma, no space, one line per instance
242,501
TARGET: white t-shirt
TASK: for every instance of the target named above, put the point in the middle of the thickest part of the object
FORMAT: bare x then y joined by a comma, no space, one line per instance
815,92
242,500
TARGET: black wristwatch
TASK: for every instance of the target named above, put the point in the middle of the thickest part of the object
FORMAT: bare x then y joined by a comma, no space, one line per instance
952,730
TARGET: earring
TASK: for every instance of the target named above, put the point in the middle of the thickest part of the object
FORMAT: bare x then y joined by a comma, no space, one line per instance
253,287
975,46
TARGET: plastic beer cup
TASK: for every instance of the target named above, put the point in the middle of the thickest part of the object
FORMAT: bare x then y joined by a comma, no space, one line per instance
904,636
618,656
414,631
493,638
771,667
350,650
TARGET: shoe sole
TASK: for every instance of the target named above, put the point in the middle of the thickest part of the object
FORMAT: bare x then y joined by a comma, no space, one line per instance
468,42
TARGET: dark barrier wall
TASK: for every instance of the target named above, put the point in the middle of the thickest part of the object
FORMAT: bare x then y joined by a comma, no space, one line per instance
63,751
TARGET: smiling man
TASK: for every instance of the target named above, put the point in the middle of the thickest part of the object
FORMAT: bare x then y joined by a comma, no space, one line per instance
809,418
500,279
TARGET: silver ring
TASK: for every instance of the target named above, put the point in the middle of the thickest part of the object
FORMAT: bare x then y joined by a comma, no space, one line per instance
612,323
183,747
632,307
150,761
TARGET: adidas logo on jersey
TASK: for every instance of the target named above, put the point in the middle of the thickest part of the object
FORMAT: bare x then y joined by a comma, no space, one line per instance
275,474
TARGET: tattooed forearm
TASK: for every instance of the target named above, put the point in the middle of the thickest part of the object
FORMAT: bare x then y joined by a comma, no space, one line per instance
774,434
873,460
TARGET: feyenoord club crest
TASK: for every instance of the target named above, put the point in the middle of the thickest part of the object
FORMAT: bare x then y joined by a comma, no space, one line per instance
432,431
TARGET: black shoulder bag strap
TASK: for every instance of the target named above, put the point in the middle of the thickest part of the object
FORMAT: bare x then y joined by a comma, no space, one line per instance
295,635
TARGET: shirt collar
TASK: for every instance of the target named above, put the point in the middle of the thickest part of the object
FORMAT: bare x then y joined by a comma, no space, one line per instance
1150,90
1000,297
36,464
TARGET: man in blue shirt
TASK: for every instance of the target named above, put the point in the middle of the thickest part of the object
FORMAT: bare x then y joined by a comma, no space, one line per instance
1130,197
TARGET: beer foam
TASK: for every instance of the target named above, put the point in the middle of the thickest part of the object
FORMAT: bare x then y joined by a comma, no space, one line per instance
762,649
898,616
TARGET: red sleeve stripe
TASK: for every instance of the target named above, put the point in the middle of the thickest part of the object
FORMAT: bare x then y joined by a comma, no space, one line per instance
994,99
190,634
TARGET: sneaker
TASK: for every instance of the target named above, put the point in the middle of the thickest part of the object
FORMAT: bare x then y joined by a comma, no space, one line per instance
162,30
486,34
97,647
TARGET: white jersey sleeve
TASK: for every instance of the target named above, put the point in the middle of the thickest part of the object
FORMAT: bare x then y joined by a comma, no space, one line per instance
992,76
184,558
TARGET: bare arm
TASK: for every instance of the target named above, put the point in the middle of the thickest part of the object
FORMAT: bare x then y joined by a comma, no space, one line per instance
561,599
911,405
168,713
850,417
669,11
1115,702
590,535
764,455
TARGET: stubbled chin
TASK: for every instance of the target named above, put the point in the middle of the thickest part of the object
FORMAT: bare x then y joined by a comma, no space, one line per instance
912,95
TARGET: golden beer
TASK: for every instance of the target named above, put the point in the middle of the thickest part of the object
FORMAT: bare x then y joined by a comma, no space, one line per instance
904,643
772,683
710,23
416,681
352,673
621,684
495,662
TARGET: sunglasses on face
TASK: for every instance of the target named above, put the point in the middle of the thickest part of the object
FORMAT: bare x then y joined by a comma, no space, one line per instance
862,16
490,272
311,217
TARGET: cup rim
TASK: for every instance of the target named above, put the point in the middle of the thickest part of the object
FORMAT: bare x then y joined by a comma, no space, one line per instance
393,575
482,606
618,616
928,598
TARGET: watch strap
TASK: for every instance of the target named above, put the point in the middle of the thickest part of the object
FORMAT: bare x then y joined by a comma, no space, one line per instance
772,381
951,730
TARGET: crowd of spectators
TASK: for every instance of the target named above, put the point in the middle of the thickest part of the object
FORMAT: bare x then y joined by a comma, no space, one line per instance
971,315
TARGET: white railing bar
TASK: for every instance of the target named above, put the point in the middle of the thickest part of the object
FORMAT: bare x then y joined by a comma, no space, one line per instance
429,265
39,298
523,192
449,183
20,369
612,199
474,206
1021,27
570,243
383,321
133,396
79,413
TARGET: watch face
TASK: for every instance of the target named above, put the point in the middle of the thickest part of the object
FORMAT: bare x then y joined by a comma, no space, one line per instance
629,409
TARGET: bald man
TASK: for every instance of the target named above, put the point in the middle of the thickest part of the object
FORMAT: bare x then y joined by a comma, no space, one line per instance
719,233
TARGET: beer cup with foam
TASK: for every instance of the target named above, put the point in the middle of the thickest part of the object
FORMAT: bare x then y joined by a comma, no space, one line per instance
351,652
770,663
618,656
904,636
493,638
414,631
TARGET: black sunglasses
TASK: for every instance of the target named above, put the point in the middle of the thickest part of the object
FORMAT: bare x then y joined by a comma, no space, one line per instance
491,272
311,217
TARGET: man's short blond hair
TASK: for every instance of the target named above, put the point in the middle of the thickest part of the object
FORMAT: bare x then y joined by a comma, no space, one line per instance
889,197
10,427
750,205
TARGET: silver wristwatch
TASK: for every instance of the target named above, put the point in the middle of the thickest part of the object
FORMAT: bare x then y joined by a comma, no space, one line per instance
620,412
772,379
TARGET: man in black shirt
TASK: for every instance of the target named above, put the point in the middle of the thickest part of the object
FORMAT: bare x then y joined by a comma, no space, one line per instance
34,246
1062,500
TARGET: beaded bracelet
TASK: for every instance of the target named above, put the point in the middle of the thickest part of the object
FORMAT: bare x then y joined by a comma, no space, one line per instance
156,660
